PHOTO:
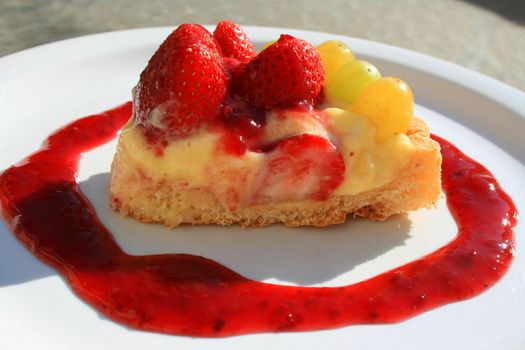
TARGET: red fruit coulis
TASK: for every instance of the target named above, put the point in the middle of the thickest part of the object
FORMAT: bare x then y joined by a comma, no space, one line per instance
191,295
242,124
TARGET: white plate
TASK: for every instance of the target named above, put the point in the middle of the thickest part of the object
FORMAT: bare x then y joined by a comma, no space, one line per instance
44,88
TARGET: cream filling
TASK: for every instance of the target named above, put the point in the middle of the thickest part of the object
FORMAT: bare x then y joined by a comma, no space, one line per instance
196,162
368,163
183,160
283,124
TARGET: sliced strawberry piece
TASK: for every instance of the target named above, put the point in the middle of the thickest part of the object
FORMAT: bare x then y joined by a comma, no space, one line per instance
183,85
286,72
234,42
300,167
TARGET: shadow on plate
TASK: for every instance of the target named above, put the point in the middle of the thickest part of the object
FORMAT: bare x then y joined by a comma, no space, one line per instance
303,256
17,265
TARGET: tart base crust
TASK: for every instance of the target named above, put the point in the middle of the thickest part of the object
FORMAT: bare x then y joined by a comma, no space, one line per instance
151,199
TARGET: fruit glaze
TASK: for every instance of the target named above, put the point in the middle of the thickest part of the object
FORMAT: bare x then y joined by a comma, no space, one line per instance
190,295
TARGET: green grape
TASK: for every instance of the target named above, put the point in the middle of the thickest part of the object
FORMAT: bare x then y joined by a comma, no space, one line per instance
350,80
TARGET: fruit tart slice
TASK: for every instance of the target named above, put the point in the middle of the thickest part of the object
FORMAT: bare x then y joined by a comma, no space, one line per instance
294,134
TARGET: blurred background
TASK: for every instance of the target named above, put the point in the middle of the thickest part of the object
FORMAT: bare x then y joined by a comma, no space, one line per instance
484,35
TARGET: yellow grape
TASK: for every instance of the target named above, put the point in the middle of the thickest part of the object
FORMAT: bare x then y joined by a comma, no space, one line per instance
334,54
268,44
389,104
350,80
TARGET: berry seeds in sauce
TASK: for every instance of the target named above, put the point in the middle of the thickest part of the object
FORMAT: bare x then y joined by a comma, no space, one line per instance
194,296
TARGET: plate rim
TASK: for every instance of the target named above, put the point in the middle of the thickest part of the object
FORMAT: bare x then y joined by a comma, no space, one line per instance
513,91
509,96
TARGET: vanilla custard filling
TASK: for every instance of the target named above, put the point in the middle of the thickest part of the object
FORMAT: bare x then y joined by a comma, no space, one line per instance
183,160
282,124
368,163
195,160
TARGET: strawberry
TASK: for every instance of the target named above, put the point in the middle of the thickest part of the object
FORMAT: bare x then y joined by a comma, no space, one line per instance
183,85
286,72
234,42
232,66
195,33
300,167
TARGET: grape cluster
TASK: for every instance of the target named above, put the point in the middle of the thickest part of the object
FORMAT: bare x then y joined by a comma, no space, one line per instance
387,102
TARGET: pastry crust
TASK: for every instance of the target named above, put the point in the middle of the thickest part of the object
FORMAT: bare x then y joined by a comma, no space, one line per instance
151,199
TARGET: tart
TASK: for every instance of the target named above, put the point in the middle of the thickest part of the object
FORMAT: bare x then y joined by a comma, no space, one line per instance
294,134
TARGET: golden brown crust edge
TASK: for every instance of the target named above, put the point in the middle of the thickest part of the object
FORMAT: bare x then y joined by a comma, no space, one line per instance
418,185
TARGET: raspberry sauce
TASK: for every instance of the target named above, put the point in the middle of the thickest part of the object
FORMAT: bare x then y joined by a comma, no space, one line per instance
241,126
191,295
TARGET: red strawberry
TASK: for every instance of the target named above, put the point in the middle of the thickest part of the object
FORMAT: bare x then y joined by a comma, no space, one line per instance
183,85
234,42
300,167
191,33
286,72
232,66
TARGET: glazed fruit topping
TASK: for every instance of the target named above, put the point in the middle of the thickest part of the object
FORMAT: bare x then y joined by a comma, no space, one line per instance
334,54
357,85
242,125
300,167
232,66
183,85
350,81
284,73
234,42
388,103
193,77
